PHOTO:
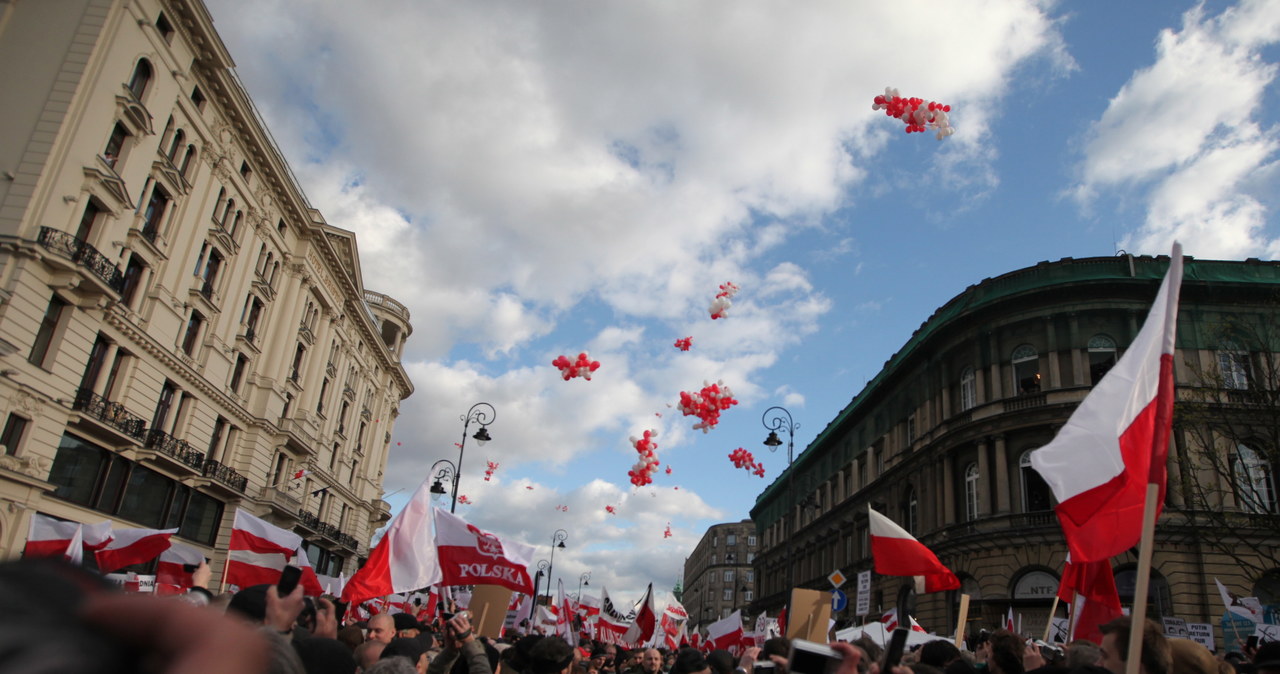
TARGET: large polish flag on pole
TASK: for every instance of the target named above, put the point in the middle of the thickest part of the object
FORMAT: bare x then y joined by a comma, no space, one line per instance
133,546
1089,588
258,552
898,553
49,537
469,556
646,621
1117,440
404,559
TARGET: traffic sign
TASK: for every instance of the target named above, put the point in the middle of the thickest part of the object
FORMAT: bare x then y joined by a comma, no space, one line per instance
837,579
839,600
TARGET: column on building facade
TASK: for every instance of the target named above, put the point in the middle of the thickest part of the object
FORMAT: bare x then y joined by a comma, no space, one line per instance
314,376
984,480
1002,485
996,383
1077,350
1051,339
284,328
854,482
948,491
926,496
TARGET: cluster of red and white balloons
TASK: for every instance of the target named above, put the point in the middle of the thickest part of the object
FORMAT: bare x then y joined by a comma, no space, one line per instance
611,510
488,471
562,508
646,465
667,532
916,113
684,343
464,500
707,404
741,458
582,367
724,299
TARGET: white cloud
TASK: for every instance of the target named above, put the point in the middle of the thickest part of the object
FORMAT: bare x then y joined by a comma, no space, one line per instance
1183,134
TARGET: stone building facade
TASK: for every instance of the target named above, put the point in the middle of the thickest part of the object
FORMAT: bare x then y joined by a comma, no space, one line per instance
183,334
940,440
719,576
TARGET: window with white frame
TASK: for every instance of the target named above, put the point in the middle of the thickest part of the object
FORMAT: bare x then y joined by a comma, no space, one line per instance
1254,480
968,389
728,575
1102,357
1233,365
1035,492
971,492
1026,369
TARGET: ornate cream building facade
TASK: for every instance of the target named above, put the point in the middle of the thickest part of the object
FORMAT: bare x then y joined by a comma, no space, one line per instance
183,334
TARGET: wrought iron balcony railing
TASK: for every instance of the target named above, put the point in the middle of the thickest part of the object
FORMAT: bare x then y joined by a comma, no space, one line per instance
225,474
109,413
80,252
312,522
177,449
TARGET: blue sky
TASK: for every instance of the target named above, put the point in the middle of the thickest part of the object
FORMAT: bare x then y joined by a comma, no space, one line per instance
537,179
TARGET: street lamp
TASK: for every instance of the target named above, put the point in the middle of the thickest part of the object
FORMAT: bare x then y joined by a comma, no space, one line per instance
782,421
584,580
447,473
557,541
543,570
481,413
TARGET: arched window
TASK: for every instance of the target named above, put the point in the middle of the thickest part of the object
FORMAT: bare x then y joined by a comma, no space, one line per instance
1035,493
226,212
1233,366
187,159
261,265
235,224
175,144
968,389
1253,479
971,492
1026,369
217,205
140,79
1102,357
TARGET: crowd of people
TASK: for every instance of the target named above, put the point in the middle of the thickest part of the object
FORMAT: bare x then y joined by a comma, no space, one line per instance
61,618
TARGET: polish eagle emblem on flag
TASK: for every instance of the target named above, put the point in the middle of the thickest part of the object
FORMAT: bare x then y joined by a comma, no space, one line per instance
486,543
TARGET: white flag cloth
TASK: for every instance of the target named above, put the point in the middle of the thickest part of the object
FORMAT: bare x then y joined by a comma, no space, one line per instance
404,559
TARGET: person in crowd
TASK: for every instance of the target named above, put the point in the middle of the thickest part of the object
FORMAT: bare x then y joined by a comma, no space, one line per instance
459,640
324,656
651,661
406,625
1115,647
382,627
721,661
368,653
1004,653
689,661
408,648
1267,659
550,655
1189,657
1083,652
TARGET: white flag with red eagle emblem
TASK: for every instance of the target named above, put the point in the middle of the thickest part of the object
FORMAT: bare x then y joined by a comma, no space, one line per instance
469,556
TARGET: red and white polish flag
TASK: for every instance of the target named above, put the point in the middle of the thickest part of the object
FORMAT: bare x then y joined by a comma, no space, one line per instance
259,551
133,546
404,559
1089,588
726,633
469,556
898,553
1117,441
49,537
172,576
646,622
890,620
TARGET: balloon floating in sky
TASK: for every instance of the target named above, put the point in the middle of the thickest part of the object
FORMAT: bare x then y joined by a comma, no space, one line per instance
684,343
741,458
582,367
563,508
646,465
488,472
668,470
464,500
724,299
667,532
916,113
707,404
611,510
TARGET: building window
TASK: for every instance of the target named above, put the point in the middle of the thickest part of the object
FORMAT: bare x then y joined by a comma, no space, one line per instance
1254,480
237,374
164,27
115,145
215,440
324,389
49,325
1026,369
731,539
245,170
1035,492
968,389
192,336
296,370
1102,357
211,269
154,213
140,79
727,594
910,509
253,312
751,541
1233,365
163,403
14,428
197,97
187,160
730,558
971,492
132,277
88,219
751,557
751,576
911,429
175,145
728,575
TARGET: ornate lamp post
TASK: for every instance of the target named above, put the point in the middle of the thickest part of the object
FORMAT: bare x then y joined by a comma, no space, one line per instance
557,541
481,413
782,421
583,580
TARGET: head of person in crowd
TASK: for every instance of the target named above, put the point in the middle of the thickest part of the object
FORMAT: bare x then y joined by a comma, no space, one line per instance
870,648
368,653
1267,659
551,655
721,661
939,653
325,656
351,635
1083,652
598,657
690,661
390,666
631,658
406,625
1115,647
1004,653
1189,657
409,649
779,646
382,627
651,661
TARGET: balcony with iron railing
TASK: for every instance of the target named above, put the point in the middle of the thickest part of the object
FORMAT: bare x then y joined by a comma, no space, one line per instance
110,413
333,533
225,474
179,450
83,254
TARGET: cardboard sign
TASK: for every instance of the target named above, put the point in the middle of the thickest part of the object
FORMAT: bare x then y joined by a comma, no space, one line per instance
809,615
1202,633
488,609
1175,627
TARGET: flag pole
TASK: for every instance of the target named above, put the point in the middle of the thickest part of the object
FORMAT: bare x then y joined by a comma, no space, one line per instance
1139,613
1072,615
1049,626
964,618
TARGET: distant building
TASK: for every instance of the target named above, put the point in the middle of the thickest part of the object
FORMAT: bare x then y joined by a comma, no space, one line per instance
182,332
718,576
940,440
